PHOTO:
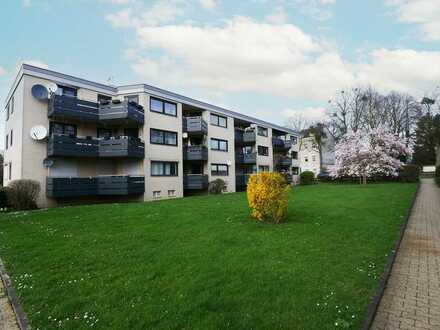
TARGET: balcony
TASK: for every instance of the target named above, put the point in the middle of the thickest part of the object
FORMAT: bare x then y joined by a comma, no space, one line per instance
67,146
195,182
281,144
112,113
114,185
284,161
246,158
195,153
195,126
241,180
246,137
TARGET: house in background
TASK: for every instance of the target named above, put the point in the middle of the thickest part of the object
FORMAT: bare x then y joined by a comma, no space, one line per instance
311,159
87,142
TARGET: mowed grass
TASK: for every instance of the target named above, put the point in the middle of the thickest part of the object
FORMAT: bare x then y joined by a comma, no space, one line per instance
203,263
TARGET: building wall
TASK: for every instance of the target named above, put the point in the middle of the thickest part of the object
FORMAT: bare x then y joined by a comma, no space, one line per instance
221,157
14,154
265,142
309,156
154,152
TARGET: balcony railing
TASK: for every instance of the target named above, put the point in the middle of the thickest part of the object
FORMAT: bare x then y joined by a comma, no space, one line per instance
195,125
195,153
195,182
67,146
284,161
246,158
245,137
281,144
112,112
114,185
241,180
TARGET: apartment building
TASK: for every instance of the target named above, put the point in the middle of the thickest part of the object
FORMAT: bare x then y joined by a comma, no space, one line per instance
88,142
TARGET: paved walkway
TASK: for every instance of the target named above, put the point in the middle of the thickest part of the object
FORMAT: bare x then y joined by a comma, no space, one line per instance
7,316
412,297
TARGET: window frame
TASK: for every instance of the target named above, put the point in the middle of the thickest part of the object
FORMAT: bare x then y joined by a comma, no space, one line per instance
6,141
211,115
265,129
10,171
7,110
266,168
295,170
217,172
10,138
163,139
218,142
163,163
12,104
164,102
294,155
266,154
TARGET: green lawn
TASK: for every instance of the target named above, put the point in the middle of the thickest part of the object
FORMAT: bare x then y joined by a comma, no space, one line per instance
202,263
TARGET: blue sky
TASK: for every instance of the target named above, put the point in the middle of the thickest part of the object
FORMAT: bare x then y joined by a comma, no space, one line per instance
269,59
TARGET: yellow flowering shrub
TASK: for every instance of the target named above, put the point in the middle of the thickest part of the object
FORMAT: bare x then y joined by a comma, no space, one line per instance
268,196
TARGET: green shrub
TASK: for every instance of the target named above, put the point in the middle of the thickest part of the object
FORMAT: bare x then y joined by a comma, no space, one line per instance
217,186
437,175
307,177
409,173
4,198
23,194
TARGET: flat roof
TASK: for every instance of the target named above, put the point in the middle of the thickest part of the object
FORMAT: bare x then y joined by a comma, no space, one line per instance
62,78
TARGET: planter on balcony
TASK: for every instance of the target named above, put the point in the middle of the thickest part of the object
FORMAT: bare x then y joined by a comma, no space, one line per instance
195,153
195,182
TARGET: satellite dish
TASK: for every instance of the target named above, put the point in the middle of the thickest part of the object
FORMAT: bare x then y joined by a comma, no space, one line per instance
38,133
52,87
40,92
47,162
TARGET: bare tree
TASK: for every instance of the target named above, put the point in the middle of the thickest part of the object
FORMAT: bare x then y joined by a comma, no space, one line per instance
298,122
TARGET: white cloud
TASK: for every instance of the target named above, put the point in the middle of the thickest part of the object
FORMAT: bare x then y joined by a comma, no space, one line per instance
425,13
2,71
404,70
278,16
316,9
208,4
160,12
311,114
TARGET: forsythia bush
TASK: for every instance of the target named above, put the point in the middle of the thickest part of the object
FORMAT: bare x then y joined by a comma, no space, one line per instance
268,195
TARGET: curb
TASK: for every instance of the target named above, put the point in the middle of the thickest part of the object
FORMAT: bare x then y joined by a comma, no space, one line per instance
20,315
375,301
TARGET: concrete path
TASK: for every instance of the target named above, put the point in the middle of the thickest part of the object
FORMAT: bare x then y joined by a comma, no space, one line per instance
412,297
7,316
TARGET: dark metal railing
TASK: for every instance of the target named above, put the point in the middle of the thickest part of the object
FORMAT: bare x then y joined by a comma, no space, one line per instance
114,185
195,125
195,181
279,143
70,146
245,137
246,158
199,152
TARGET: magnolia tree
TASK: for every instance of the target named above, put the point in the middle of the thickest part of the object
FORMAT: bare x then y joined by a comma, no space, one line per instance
368,154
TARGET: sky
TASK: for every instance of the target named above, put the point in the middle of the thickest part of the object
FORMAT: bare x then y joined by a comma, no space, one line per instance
266,58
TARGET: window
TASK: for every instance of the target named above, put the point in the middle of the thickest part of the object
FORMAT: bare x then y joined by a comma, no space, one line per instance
263,168
219,169
104,133
62,129
7,141
295,170
262,131
12,105
132,98
156,194
162,106
10,171
294,154
263,151
217,120
104,98
220,145
7,112
164,168
158,136
67,91
313,158
171,193
10,139
294,139
247,150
